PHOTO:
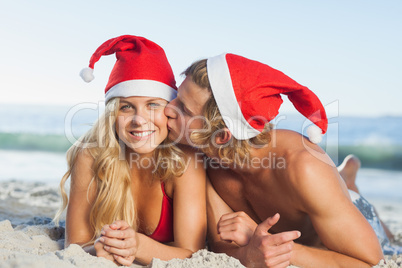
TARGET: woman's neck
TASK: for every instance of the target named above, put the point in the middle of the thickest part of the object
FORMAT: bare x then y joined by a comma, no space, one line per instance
141,165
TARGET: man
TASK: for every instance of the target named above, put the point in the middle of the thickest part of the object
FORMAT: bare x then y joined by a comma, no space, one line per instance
266,179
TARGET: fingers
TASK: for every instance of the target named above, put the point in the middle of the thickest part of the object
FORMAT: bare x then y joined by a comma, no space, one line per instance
277,256
227,233
237,217
268,223
119,233
123,252
236,232
278,261
281,238
105,228
101,252
117,243
238,224
231,215
119,225
282,249
124,261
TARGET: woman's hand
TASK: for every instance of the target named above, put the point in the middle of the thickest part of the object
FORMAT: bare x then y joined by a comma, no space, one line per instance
237,227
121,241
101,252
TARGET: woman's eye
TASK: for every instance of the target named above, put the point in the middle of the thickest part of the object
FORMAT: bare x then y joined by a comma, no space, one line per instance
154,105
125,107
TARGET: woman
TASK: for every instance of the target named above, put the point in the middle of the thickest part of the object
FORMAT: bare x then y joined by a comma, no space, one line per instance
125,175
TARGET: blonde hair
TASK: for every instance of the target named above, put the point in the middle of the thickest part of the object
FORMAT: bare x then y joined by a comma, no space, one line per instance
114,200
235,151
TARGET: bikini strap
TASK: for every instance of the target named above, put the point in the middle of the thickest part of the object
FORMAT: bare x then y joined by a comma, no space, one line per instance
164,192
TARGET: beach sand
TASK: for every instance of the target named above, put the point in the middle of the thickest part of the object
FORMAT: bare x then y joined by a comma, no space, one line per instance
28,238
42,245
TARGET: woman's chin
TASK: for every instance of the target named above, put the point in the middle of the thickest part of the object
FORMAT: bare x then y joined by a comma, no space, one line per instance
143,150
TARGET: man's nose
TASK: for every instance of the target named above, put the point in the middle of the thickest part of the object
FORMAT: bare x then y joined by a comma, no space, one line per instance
170,109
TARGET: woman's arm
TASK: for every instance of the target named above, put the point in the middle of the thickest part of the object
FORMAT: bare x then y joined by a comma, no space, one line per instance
82,196
78,229
189,222
189,204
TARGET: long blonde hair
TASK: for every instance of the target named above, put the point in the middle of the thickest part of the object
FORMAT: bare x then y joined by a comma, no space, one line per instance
114,200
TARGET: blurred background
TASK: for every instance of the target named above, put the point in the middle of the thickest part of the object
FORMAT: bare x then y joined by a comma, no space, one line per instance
347,52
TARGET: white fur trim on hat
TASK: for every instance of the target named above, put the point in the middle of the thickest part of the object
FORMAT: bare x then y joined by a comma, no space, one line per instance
144,88
87,74
314,134
222,89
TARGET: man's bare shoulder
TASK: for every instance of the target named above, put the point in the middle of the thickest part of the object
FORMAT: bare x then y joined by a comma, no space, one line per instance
217,172
313,178
307,164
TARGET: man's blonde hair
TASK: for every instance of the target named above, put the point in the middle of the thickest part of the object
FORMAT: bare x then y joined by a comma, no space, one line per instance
112,179
235,151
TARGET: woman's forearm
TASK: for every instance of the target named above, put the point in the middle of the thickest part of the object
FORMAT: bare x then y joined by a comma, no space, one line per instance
149,249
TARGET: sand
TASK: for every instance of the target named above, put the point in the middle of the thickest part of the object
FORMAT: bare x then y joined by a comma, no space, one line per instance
42,246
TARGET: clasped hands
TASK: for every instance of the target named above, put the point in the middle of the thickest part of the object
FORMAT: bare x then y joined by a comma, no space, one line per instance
258,247
118,243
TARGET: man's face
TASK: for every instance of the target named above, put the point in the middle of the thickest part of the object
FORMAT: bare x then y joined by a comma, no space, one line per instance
185,112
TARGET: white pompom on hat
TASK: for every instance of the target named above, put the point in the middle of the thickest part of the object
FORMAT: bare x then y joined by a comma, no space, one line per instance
87,74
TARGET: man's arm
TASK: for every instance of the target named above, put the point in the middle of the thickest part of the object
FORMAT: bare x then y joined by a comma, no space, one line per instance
343,230
263,250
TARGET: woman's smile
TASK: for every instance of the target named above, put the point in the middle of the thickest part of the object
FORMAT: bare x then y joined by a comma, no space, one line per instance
141,135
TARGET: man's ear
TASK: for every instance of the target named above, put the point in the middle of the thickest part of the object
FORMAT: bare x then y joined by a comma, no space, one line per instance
223,136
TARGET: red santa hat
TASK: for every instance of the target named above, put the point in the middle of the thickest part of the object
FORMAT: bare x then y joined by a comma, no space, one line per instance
248,96
141,69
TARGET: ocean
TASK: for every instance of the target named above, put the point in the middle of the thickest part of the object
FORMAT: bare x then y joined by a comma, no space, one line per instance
34,139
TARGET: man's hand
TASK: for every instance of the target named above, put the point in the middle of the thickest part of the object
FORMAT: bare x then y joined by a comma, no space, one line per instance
269,250
236,227
121,241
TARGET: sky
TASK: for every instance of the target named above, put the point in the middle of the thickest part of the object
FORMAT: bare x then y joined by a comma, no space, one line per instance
346,51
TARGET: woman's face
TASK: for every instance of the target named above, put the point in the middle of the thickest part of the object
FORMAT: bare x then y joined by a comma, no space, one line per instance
141,123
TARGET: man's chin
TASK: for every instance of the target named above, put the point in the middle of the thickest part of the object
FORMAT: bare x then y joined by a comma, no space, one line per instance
173,138
177,140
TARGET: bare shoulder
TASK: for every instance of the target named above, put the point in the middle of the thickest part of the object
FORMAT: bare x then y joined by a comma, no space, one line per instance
314,177
225,182
82,171
194,172
308,166
194,158
84,157
302,157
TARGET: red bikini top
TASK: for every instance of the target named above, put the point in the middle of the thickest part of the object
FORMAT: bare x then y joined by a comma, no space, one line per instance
164,231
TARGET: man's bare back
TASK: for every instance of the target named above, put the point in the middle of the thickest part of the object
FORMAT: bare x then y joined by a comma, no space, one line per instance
272,191
305,188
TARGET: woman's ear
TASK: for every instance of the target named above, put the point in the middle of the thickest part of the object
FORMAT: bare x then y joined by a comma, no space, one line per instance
223,136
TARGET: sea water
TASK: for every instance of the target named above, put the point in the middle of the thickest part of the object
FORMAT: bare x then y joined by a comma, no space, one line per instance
34,140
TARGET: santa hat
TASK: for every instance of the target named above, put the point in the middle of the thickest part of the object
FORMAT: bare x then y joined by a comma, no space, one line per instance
141,69
248,96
